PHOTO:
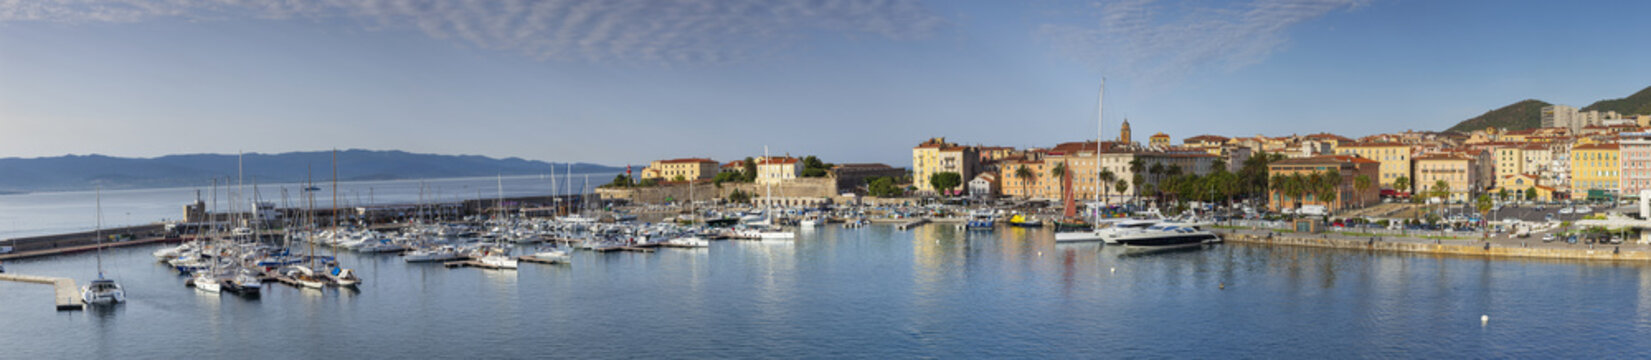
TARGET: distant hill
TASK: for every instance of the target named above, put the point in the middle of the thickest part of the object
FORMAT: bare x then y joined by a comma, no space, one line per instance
1521,115
1638,103
79,172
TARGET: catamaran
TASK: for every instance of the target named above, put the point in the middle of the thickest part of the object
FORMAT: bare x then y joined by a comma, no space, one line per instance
101,290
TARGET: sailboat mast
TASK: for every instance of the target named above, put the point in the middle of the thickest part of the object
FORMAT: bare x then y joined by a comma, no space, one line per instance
499,204
768,189
98,232
1100,129
335,192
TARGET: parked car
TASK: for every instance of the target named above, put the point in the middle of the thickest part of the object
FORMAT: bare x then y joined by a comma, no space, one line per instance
1584,209
1548,238
1566,211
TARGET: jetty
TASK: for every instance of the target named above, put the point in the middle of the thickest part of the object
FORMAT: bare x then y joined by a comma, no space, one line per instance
67,294
540,260
911,224
85,248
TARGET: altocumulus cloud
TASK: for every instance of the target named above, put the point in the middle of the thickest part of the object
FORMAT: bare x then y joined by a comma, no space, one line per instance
1170,40
663,31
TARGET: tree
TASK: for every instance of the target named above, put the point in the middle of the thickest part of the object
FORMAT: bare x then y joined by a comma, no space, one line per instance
1025,174
1122,186
648,182
1219,164
680,178
1502,194
1157,171
620,181
945,181
813,167
1361,183
1139,181
1441,190
750,169
1107,177
1401,184
739,197
1530,194
883,187
726,177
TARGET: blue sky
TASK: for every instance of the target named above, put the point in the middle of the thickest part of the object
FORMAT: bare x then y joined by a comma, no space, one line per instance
626,81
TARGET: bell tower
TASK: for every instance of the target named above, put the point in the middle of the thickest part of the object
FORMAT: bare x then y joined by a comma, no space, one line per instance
1123,134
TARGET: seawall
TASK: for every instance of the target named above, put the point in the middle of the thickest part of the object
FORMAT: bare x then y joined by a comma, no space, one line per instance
1600,253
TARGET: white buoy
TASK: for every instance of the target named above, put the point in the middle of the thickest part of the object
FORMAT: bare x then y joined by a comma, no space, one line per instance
1484,319
1114,270
1040,253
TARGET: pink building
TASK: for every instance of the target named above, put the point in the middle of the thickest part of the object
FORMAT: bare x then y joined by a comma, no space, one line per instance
1636,162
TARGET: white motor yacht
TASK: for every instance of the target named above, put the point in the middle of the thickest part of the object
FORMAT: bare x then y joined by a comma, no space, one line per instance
498,261
1165,236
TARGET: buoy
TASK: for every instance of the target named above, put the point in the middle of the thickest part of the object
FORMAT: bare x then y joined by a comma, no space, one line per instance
1040,253
1114,270
1223,286
1484,319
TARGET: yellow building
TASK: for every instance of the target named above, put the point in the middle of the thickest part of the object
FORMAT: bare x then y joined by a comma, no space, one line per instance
686,169
1395,159
1509,160
1459,172
936,156
1159,140
1517,187
1024,184
776,169
1594,167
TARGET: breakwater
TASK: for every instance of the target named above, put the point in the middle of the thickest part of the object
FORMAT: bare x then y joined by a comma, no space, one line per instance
1599,253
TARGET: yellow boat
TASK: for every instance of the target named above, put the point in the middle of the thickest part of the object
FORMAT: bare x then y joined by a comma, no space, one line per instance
1024,221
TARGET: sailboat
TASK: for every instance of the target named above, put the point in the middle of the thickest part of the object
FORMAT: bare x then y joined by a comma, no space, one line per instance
1089,234
102,290
773,232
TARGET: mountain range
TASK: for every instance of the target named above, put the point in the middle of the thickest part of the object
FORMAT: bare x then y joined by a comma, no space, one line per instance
1527,114
80,172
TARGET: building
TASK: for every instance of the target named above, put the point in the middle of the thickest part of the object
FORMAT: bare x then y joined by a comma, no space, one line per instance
1158,141
1348,194
1561,116
1460,172
1635,149
686,169
736,166
1517,187
1204,141
778,169
1509,160
855,176
1123,134
936,156
1595,168
1395,159
984,186
1023,179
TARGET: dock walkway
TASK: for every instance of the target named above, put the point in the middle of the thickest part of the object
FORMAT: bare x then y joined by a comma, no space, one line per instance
84,248
67,294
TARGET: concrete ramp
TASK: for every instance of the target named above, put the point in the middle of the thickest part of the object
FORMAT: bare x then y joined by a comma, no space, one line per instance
66,293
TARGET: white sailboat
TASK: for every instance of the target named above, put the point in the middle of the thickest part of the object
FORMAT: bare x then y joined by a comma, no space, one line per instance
1094,233
101,290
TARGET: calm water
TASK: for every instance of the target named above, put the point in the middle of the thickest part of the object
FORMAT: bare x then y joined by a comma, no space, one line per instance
873,292
62,212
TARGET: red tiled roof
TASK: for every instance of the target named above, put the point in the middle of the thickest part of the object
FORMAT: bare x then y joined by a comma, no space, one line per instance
1323,159
1604,146
1371,144
1204,138
776,160
687,160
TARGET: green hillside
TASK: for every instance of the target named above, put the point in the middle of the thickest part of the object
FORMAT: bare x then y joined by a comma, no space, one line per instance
1518,116
1638,103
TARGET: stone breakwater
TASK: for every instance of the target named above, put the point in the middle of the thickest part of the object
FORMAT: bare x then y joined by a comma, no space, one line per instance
1600,253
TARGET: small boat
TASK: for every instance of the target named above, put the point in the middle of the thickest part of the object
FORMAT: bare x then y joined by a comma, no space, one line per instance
722,222
1022,220
445,253
207,283
244,283
981,221
343,277
689,242
498,261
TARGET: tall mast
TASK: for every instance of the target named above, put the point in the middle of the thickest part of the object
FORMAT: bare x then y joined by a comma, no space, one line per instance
1100,128
768,189
335,192
499,204
98,232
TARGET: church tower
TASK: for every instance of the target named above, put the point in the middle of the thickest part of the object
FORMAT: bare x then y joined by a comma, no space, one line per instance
1123,135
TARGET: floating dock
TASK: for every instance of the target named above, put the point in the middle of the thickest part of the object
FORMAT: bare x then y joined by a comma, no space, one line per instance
67,294
911,224
540,260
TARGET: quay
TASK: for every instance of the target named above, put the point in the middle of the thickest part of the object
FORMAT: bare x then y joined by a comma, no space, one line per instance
84,248
67,295
1493,249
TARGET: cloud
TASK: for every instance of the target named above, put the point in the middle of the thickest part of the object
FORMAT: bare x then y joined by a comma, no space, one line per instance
1167,41
664,31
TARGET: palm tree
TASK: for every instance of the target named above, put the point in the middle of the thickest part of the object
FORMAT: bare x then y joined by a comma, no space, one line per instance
1139,180
1361,183
1107,177
1025,176
1294,186
1157,171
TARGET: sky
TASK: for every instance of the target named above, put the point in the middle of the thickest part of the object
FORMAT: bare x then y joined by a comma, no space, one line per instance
627,81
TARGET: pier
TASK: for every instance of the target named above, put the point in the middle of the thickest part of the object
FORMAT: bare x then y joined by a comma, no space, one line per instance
911,224
540,260
67,295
